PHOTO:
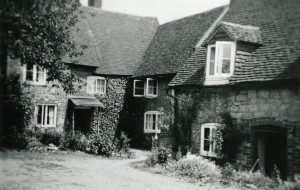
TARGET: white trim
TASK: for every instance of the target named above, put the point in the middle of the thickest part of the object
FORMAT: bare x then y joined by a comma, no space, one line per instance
44,115
212,27
34,75
95,90
158,121
211,152
147,88
134,81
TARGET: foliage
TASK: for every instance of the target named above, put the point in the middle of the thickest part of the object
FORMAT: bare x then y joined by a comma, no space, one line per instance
185,114
123,143
17,105
50,136
15,140
196,167
38,32
228,138
256,178
76,141
101,146
159,155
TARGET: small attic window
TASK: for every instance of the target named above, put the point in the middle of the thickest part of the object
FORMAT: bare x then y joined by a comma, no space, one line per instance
220,62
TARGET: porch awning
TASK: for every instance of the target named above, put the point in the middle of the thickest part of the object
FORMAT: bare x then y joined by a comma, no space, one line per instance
86,102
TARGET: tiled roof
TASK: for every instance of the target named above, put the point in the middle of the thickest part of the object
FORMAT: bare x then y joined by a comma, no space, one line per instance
277,58
115,42
174,43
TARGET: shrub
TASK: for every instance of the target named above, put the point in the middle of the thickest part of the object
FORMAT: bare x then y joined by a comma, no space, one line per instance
101,146
123,143
256,178
152,159
76,141
15,140
196,167
159,155
49,137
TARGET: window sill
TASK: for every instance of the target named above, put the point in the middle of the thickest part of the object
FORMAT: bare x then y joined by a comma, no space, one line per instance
35,84
43,126
151,96
208,154
213,81
152,131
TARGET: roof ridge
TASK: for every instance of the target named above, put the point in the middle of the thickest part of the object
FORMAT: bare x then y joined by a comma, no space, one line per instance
213,26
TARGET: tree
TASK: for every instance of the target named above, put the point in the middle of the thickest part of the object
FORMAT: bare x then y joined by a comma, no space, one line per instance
38,32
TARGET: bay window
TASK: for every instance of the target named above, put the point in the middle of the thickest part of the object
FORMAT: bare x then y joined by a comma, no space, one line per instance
220,62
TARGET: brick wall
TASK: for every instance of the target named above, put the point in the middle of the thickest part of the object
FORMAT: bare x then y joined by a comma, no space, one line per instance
250,106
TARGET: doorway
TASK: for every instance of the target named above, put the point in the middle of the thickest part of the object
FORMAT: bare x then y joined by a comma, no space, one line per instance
270,149
82,120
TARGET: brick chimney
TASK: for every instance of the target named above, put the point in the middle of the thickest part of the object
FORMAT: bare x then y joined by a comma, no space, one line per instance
95,3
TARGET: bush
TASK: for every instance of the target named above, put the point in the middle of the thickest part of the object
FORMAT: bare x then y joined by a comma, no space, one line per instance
15,140
196,167
49,137
159,155
76,141
123,143
101,146
256,178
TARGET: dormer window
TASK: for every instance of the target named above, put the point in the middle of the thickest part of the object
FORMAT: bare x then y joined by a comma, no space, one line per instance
96,85
220,62
34,74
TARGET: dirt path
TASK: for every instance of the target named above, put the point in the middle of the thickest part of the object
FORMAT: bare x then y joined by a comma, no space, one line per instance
26,170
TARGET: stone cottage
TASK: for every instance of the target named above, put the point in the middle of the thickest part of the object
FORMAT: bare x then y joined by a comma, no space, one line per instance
247,66
152,103
115,45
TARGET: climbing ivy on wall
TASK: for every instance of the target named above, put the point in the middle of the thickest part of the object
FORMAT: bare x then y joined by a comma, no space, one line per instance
106,120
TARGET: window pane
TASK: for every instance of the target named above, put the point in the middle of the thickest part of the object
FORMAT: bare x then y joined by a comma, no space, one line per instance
50,114
206,145
139,84
212,68
206,133
226,51
152,87
39,114
40,76
226,66
139,91
212,54
154,121
29,72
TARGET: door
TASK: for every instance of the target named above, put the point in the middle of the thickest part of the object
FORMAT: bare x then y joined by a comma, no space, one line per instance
270,149
82,120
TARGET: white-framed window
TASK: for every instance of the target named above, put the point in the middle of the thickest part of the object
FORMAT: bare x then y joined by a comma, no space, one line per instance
152,121
45,115
220,62
138,88
96,85
207,143
151,88
34,74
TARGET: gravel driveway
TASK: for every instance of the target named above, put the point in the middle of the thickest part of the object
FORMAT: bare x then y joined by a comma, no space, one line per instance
32,170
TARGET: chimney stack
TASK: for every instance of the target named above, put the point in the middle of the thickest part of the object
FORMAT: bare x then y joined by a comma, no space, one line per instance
95,3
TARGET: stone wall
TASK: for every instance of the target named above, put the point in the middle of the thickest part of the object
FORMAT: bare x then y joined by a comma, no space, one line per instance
249,106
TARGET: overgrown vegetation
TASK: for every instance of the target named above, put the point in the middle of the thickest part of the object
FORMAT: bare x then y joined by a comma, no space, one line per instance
198,168
17,115
228,137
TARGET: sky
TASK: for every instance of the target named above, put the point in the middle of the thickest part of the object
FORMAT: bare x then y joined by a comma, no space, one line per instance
163,10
